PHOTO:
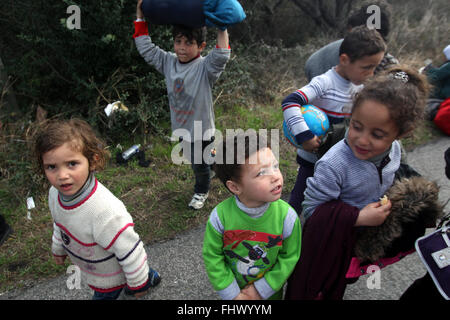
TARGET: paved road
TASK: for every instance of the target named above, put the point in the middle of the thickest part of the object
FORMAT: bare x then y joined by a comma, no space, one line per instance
183,276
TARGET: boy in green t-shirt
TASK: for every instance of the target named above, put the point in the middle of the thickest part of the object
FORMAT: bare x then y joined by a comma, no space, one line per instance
252,240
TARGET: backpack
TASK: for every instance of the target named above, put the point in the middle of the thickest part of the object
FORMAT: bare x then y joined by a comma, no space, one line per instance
434,251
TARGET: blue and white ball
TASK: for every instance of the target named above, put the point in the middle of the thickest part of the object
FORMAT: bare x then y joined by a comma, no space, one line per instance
316,120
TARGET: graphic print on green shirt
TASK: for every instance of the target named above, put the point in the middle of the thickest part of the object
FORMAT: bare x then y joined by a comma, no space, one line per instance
250,254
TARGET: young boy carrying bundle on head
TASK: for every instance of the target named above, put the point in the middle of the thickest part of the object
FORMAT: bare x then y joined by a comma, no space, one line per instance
252,240
189,80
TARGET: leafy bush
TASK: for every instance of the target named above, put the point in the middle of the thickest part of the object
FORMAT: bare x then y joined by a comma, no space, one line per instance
77,72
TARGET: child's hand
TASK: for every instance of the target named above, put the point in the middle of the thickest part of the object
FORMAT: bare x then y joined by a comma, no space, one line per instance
222,39
139,13
251,292
311,145
241,296
59,260
373,214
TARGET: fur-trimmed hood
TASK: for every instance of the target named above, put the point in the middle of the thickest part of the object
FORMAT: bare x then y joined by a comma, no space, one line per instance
415,206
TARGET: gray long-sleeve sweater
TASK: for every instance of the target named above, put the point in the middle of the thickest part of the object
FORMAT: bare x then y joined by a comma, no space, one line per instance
188,87
340,175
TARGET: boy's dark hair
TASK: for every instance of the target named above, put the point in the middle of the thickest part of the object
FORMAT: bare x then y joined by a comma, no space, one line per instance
241,147
402,90
359,17
361,42
197,34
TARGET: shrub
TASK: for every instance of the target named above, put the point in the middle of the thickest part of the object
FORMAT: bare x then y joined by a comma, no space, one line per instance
77,72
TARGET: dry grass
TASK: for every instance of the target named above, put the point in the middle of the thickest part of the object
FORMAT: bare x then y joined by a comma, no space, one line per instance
420,30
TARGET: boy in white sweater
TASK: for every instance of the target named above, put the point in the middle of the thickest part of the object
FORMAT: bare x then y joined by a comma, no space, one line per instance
91,225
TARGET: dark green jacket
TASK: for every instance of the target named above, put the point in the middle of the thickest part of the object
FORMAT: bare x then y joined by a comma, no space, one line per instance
440,79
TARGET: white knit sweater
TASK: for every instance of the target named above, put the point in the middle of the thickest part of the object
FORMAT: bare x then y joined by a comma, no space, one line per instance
99,237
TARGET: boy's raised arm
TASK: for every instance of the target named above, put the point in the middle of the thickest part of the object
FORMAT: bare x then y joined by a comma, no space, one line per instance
139,13
222,39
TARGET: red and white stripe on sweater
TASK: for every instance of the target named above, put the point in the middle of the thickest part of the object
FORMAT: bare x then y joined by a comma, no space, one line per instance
99,237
